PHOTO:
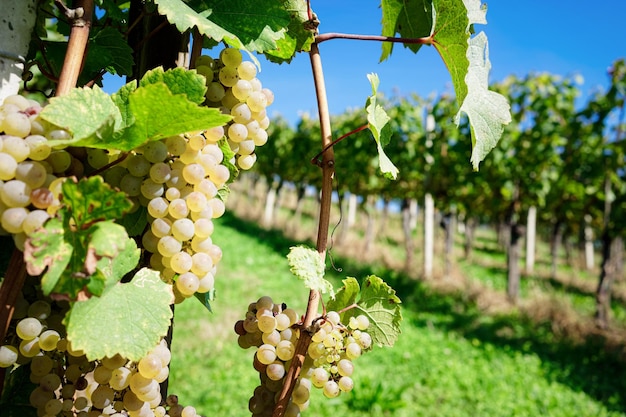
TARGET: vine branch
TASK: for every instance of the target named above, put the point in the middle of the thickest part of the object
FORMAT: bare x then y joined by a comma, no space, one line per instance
316,159
80,18
336,35
328,171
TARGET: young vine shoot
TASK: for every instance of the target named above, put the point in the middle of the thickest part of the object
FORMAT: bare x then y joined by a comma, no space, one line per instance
110,202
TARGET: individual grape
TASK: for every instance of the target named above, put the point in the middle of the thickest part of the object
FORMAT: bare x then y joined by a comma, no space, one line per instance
319,377
231,57
158,207
155,151
161,227
194,173
31,173
228,76
285,350
331,389
12,219
206,283
246,70
187,283
301,393
17,124
48,340
34,220
266,354
245,162
149,366
275,371
353,350
202,264
282,321
168,246
365,341
217,205
59,160
50,382
246,147
131,185
151,189
120,378
97,158
8,166
181,262
160,172
237,132
39,147
215,92
178,208
257,101
8,356
28,328
15,193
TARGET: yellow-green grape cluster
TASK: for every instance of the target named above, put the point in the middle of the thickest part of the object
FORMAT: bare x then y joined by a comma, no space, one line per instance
68,384
232,86
332,349
177,179
29,168
268,327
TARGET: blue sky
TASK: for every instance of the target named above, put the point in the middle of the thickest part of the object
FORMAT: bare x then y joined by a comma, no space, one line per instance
559,36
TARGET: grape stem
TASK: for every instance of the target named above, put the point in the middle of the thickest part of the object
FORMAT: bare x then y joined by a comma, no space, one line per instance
328,171
335,35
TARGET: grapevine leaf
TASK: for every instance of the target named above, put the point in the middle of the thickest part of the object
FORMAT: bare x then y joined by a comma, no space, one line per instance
467,59
135,222
252,25
158,114
91,199
298,37
179,81
346,296
48,248
378,119
228,157
88,114
70,248
408,18
206,298
114,254
121,101
308,265
379,302
486,110
128,319
109,50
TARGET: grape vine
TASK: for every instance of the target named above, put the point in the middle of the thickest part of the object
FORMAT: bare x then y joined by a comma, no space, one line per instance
110,201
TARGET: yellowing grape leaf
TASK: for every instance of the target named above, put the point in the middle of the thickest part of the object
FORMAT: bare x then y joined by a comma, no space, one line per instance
70,248
128,319
308,265
488,112
377,301
467,59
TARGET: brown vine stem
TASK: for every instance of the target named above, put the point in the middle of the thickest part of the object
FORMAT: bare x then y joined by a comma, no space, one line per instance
334,35
75,55
328,171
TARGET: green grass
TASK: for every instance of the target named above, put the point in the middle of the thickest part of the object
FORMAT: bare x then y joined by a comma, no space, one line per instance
451,359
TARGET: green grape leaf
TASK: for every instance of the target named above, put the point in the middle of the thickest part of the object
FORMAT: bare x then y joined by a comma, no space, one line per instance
88,114
308,265
251,25
91,200
298,37
121,99
128,319
378,119
109,50
114,254
135,222
346,296
379,302
409,18
179,81
69,249
488,112
206,298
228,156
467,59
158,114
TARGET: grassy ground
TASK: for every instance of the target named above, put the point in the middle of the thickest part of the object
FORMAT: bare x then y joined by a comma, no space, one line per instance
454,358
